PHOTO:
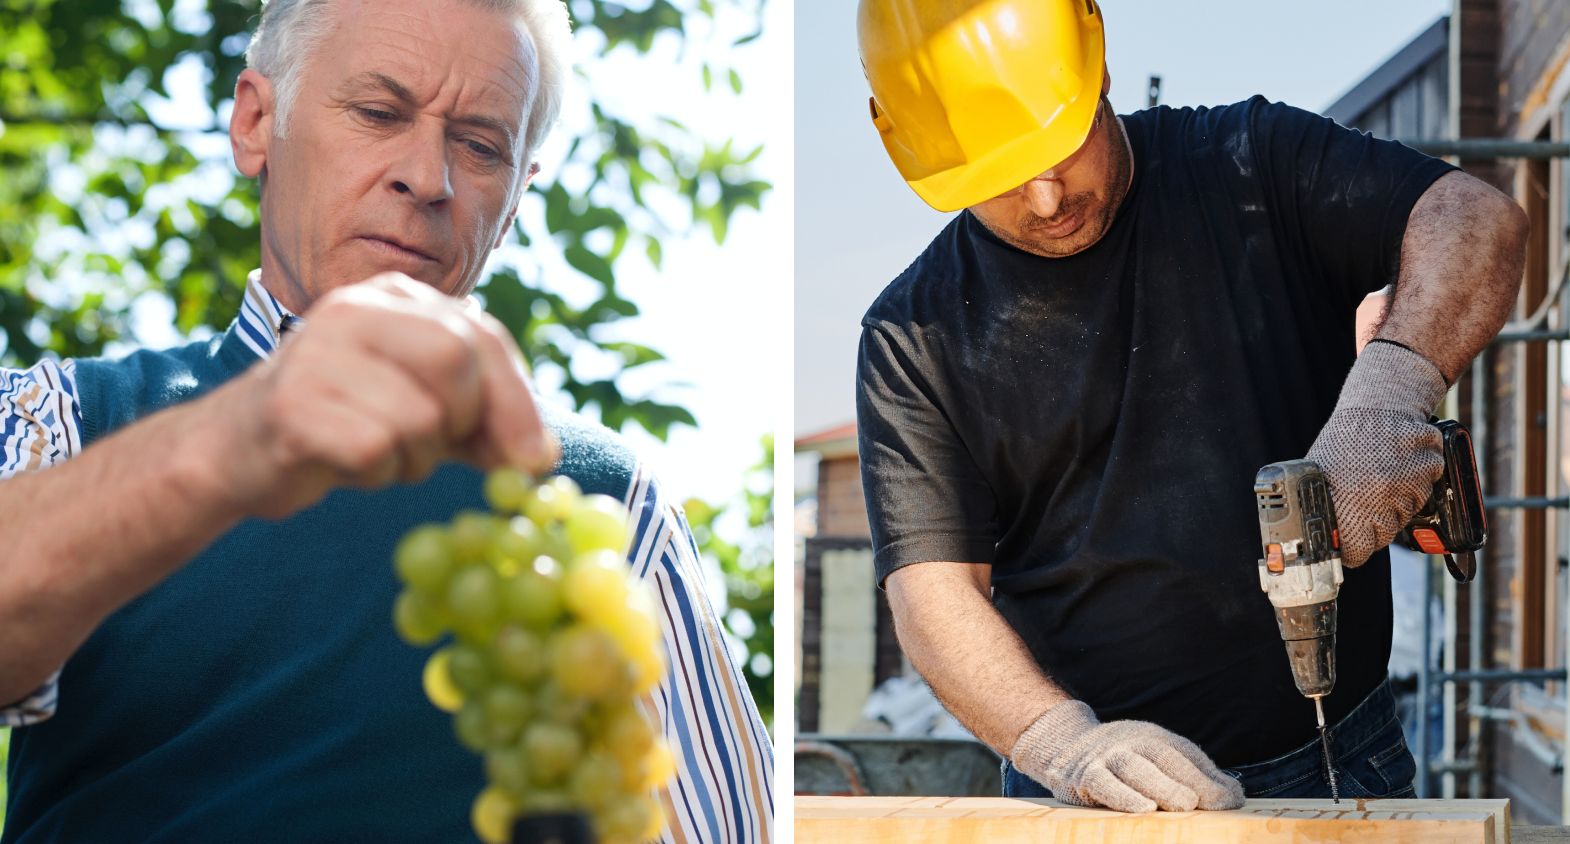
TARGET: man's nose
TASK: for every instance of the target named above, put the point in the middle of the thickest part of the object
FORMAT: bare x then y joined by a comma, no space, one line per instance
421,172
1043,196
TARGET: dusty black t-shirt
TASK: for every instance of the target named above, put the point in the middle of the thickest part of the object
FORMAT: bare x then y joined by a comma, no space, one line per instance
1091,425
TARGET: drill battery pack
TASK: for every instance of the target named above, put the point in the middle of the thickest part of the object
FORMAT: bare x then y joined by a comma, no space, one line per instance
1452,523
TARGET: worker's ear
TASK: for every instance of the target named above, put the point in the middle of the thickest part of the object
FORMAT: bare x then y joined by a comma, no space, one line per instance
251,124
1106,80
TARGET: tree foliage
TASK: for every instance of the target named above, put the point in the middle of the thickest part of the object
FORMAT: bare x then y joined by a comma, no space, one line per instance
748,568
108,201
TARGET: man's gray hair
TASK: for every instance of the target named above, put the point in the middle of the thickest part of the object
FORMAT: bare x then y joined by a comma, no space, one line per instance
290,30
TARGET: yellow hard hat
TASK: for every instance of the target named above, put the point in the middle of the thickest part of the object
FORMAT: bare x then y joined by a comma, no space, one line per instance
974,98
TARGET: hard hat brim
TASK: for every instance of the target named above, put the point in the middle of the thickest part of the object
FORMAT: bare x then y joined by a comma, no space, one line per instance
1019,161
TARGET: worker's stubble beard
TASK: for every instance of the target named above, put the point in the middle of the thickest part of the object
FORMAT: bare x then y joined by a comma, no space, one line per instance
1099,205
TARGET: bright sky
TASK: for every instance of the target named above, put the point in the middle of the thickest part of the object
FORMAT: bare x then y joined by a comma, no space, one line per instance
709,309
858,225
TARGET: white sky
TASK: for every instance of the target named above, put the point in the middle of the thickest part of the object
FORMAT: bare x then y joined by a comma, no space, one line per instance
858,225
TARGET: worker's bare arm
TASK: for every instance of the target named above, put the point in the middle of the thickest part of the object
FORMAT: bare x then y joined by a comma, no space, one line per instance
1461,263
389,379
975,663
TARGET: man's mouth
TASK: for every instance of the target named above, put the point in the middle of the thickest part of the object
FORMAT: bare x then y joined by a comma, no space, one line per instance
1060,228
397,249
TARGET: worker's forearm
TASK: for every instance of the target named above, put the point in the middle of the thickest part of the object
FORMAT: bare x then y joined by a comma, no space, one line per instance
86,536
1461,262
975,663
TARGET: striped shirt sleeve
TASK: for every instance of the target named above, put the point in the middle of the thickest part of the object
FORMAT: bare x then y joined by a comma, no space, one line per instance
40,425
724,761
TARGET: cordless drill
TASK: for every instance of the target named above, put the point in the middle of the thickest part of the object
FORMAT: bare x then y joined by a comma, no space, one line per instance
1301,568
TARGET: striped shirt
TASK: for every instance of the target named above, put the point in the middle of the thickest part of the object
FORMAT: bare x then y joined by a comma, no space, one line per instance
724,762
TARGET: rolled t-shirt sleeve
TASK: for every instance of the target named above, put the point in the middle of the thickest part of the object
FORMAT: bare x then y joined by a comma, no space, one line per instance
926,498
1345,194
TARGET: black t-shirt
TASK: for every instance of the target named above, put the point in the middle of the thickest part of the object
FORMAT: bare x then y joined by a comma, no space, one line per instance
1091,425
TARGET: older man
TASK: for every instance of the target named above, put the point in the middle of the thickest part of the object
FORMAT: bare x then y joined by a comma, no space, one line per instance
209,560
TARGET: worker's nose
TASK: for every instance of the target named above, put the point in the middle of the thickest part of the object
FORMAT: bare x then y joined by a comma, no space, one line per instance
1043,196
421,172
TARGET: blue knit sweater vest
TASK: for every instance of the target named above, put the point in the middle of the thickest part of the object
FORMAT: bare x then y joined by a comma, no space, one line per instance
259,693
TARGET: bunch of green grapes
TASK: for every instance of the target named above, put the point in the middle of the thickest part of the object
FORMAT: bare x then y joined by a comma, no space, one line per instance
553,644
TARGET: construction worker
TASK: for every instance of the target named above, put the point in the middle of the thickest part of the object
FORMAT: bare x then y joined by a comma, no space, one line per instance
1063,401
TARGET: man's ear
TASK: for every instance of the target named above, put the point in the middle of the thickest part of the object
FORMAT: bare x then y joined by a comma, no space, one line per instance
251,124
528,176
1106,79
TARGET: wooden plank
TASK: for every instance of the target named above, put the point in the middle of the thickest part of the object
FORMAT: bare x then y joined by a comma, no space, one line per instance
952,820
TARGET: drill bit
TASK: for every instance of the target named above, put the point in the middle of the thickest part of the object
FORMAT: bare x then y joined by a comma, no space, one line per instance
1324,741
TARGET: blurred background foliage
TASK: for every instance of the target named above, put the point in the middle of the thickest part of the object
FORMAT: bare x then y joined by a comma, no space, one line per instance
118,201
747,564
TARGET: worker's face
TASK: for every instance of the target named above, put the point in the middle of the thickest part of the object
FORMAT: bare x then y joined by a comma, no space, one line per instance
1069,207
404,149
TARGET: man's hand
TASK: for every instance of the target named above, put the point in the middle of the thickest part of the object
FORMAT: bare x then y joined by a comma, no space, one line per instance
387,379
1129,766
1378,451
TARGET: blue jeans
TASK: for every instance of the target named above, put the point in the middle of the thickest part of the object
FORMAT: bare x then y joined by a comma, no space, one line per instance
1370,754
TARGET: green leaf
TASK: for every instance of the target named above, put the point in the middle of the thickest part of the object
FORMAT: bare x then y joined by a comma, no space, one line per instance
590,264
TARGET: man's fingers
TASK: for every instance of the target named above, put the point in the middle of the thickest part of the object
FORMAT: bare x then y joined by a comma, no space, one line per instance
1106,789
1212,788
437,346
511,419
1144,776
386,392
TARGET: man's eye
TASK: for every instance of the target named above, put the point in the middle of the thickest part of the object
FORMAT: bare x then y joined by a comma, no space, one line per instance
482,150
376,115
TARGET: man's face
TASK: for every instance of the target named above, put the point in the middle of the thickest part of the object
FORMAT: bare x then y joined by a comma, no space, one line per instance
404,148
1068,208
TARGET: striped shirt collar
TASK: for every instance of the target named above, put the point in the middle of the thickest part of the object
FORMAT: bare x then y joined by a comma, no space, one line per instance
263,320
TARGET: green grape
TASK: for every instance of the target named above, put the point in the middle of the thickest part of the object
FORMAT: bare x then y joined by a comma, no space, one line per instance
652,771
471,535
519,542
492,815
554,544
596,585
628,735
470,726
533,596
542,801
520,655
552,501
552,750
469,669
584,662
599,523
416,619
508,768
630,818
424,559
506,489
596,781
554,704
439,687
474,602
507,708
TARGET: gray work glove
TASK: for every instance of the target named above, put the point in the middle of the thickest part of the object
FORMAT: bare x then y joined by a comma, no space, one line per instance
1378,451
1130,766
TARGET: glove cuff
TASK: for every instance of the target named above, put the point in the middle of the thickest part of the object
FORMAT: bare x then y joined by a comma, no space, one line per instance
1051,734
1389,376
